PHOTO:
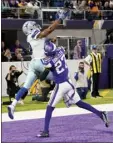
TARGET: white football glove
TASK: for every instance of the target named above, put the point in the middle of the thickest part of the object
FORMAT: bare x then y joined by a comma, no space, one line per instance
61,14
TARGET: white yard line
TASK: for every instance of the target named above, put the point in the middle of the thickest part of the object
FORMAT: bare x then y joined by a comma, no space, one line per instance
37,114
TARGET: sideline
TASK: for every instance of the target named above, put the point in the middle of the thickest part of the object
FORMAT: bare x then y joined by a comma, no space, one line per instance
104,92
37,114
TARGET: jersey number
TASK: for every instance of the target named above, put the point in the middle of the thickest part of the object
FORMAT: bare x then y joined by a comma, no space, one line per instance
59,66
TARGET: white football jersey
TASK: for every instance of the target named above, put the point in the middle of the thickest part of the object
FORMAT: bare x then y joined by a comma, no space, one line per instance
37,45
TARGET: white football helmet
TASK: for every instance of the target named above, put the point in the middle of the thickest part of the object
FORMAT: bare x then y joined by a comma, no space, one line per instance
29,26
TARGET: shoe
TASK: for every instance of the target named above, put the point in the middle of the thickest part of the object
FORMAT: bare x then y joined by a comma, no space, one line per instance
99,96
93,96
11,111
105,118
43,134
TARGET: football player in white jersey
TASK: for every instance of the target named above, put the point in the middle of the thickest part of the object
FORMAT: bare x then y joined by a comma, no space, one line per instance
37,39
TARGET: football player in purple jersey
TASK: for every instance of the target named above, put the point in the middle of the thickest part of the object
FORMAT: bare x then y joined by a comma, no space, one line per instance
64,89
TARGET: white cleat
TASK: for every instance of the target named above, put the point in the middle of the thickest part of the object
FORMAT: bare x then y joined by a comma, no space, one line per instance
11,111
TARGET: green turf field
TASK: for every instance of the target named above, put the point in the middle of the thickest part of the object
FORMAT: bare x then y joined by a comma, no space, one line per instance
34,105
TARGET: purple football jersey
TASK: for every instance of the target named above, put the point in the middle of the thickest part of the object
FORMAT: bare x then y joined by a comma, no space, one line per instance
58,66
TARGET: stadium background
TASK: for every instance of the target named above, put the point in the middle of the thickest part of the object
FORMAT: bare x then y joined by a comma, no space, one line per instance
91,27
83,26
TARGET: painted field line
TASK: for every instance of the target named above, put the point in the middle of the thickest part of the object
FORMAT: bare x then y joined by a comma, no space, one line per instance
37,114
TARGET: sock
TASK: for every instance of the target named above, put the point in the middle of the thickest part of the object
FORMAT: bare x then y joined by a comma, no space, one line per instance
49,111
88,107
20,93
14,102
24,96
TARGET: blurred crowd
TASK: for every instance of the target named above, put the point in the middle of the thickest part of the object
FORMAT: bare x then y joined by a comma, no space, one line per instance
26,9
95,9
31,8
16,52
78,48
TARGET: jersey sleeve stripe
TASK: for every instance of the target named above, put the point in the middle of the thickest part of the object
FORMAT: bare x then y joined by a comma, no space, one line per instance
35,33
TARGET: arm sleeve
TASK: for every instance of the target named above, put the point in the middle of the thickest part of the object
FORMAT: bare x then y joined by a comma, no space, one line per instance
8,80
6,77
76,76
35,33
44,74
19,73
88,59
46,71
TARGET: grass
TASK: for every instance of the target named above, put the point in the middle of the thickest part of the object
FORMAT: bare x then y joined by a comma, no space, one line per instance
34,105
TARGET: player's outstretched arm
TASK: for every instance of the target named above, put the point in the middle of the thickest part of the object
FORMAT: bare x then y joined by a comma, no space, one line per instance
50,29
61,15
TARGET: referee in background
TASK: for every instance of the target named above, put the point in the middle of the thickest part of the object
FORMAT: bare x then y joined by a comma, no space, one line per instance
94,60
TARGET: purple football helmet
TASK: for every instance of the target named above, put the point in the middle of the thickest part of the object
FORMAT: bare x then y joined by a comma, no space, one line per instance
50,49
